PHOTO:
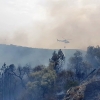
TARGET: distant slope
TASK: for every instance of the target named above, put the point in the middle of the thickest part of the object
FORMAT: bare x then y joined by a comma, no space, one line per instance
23,55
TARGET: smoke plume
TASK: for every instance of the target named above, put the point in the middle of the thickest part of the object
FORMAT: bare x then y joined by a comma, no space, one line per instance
76,20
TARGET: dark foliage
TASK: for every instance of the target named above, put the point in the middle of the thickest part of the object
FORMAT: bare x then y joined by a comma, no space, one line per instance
47,82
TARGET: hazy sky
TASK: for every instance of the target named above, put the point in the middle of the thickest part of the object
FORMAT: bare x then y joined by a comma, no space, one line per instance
39,23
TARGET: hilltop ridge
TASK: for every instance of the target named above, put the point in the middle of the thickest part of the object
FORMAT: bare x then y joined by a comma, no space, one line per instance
23,55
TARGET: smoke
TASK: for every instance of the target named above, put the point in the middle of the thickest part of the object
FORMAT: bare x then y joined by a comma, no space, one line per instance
76,20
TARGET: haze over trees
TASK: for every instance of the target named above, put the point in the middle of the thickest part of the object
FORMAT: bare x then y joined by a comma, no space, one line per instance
47,82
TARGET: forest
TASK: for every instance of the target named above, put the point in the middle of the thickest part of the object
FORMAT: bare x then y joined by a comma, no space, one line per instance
47,82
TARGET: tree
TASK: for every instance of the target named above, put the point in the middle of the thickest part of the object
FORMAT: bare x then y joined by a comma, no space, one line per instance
41,83
80,67
63,78
8,82
38,68
75,63
58,60
93,55
11,79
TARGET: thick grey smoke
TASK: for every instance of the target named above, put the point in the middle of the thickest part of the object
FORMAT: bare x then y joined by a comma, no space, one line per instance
77,20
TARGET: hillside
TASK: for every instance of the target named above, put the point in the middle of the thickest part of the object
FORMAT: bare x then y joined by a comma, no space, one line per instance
88,90
23,55
80,81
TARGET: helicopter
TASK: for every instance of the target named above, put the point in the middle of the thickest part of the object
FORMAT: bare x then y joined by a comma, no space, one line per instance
65,41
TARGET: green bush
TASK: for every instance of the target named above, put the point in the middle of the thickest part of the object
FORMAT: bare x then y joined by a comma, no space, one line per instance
70,84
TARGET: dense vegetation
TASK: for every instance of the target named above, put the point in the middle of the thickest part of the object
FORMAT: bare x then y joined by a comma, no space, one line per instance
47,82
